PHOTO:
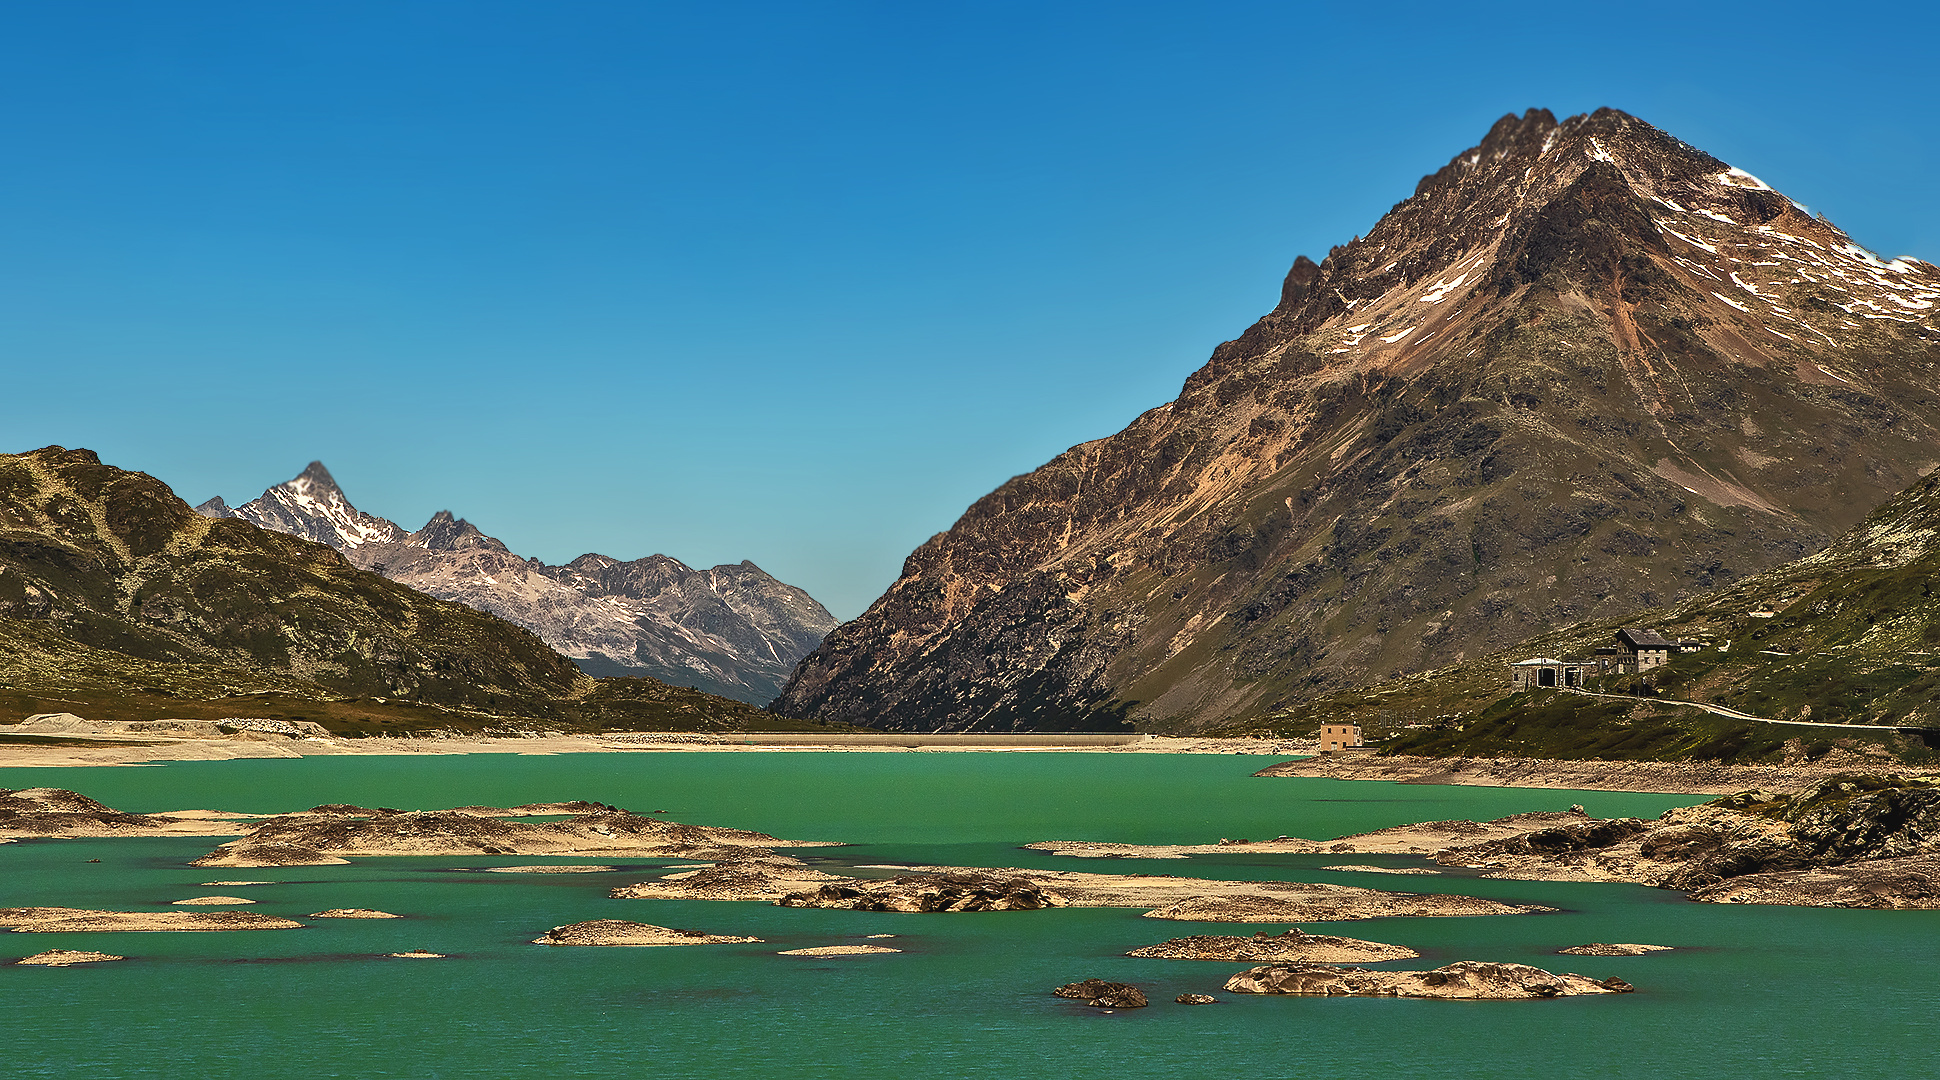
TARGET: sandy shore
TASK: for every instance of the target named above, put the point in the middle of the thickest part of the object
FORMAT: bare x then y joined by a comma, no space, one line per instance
107,750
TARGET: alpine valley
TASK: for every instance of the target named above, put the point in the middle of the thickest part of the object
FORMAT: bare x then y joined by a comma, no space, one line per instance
732,630
1585,370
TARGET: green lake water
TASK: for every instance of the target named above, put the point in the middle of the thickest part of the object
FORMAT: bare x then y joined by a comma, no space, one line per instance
1750,992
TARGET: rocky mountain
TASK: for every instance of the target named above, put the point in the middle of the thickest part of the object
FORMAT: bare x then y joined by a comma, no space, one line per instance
119,602
730,630
1585,369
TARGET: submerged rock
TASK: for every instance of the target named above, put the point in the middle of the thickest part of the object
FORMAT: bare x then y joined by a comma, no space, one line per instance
1196,999
1105,995
1604,949
353,913
1466,979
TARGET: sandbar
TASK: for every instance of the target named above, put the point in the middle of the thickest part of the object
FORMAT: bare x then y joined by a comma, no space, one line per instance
66,958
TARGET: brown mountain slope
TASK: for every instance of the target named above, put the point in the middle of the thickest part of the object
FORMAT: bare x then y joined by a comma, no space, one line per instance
1586,369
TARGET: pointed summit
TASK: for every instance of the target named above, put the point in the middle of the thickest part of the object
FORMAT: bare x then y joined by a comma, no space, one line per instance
316,478
312,506
446,533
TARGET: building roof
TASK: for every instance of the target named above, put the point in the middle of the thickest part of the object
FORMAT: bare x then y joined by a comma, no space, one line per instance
1639,638
1538,661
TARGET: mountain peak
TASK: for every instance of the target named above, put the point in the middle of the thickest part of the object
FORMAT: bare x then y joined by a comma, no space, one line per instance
312,506
1607,209
447,533
315,476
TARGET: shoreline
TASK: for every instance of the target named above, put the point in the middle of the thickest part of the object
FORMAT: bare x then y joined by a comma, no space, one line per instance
1648,777
109,751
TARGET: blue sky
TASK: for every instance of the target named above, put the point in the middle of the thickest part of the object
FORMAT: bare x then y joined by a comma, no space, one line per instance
787,282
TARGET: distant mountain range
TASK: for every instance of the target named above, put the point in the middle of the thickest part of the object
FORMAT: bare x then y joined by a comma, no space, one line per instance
1585,369
731,630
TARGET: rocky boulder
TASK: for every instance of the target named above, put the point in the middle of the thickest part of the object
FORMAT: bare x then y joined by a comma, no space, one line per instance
1104,995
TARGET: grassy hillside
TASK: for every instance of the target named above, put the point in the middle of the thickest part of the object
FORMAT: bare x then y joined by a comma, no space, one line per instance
118,602
1850,635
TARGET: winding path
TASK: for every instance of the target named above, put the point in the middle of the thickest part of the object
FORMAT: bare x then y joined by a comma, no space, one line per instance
1736,715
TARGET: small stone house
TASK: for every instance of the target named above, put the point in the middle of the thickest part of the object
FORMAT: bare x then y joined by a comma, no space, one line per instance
1339,737
1643,650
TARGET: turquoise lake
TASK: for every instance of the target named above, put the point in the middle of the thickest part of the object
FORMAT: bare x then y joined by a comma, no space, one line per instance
1749,992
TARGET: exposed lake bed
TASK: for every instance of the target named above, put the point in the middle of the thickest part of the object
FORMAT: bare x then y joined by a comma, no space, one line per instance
966,996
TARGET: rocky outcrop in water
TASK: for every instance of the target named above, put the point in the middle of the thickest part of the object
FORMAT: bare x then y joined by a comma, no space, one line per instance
1467,980
1849,841
66,958
62,920
621,932
960,891
1291,945
1104,995
328,833
1609,949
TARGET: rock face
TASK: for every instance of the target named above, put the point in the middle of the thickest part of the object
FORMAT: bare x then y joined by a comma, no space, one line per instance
731,630
1467,979
1104,995
1585,370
